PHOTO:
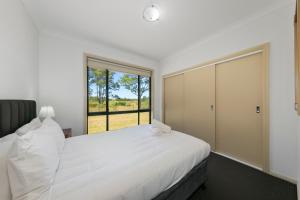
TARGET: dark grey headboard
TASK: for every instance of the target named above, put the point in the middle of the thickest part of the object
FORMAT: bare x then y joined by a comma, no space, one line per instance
14,114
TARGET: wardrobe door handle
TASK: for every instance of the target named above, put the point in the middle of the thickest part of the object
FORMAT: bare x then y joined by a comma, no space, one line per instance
212,107
257,109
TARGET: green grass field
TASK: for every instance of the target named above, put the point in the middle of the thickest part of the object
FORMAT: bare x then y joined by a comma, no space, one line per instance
97,124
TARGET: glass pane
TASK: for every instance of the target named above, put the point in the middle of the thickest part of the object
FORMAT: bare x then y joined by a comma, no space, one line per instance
96,124
144,118
123,90
96,90
122,121
145,92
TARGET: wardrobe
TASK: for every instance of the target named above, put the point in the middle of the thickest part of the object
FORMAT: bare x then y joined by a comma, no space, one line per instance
224,103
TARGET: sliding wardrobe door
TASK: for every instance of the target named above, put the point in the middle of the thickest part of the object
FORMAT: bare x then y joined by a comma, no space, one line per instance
239,106
199,99
174,102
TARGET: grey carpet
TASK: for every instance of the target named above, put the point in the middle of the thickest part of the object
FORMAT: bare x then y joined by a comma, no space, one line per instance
228,179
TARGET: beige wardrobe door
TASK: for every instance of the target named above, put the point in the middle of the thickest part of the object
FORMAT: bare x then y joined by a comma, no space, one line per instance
199,99
174,102
239,87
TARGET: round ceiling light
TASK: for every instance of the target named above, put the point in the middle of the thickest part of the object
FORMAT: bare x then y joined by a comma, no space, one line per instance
151,13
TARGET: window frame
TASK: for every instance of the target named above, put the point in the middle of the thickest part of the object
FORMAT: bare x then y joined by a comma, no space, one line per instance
107,113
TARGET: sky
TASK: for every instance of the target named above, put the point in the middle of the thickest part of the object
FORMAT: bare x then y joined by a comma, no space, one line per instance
122,92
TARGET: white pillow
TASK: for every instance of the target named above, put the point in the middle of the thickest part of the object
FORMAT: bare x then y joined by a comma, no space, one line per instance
55,130
32,164
34,124
158,127
5,145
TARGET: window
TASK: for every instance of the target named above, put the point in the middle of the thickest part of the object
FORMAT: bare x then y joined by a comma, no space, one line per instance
118,96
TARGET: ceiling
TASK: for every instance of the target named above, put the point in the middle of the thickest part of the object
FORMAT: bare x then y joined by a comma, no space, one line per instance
120,23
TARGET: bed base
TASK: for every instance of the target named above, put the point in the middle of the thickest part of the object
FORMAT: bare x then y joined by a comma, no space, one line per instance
187,185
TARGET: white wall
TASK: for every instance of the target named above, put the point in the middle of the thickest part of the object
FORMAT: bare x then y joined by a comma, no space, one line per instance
18,52
274,26
61,75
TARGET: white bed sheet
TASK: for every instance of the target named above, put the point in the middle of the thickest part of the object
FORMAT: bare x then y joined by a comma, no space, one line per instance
128,164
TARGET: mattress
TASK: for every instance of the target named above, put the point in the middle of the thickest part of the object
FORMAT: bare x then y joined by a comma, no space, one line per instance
128,164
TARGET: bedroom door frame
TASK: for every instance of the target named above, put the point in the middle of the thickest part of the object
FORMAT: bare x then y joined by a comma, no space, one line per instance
264,50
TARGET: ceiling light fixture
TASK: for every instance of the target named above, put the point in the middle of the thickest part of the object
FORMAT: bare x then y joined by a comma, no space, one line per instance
151,13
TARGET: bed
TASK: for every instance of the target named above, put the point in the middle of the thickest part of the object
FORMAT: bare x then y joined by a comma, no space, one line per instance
131,163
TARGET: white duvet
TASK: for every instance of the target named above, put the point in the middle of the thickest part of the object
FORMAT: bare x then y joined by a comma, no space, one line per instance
129,164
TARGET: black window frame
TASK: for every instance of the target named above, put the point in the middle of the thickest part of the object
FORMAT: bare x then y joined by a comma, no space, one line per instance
107,113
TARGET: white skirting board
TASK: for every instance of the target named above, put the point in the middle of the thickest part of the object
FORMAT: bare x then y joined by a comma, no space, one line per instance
298,189
291,180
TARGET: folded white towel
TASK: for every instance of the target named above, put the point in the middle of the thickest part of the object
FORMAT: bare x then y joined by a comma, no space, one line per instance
158,127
